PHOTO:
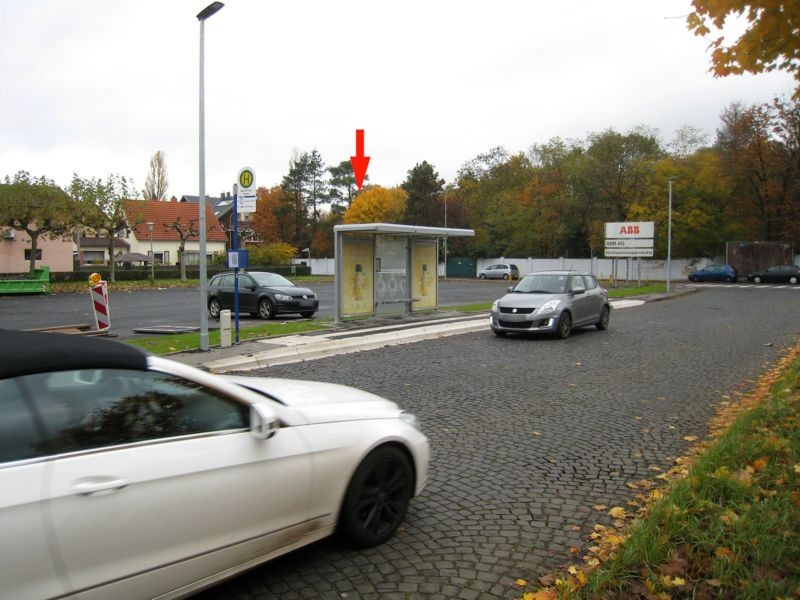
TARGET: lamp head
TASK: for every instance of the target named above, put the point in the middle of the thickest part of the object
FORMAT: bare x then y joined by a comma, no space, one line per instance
209,10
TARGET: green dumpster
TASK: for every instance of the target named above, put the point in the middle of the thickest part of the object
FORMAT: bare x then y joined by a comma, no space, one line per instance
37,283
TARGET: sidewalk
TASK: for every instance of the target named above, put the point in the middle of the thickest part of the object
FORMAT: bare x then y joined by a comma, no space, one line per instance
357,336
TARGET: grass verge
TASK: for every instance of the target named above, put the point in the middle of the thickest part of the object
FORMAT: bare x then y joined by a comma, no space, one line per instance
166,344
727,525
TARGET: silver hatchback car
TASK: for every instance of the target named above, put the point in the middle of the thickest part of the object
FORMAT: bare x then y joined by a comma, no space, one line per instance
551,302
500,271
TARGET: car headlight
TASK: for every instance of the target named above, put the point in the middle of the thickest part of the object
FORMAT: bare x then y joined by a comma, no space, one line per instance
549,306
410,418
283,297
494,305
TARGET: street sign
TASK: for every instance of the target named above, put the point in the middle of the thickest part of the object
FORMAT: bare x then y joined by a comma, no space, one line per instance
628,252
634,229
246,194
629,243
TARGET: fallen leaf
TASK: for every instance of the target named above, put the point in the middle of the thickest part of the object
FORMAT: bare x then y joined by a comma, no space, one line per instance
521,583
759,464
724,553
797,468
690,438
547,580
541,595
617,512
535,433
668,581
603,506
714,582
574,550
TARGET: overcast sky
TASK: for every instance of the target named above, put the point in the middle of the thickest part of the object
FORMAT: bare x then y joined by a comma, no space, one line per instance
98,86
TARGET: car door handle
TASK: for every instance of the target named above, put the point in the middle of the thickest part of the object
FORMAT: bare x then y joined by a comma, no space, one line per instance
99,486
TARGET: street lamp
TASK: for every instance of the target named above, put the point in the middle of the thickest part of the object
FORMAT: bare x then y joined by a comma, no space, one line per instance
202,16
669,235
446,191
152,255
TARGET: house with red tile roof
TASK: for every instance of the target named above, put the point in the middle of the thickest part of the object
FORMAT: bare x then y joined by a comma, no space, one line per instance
170,222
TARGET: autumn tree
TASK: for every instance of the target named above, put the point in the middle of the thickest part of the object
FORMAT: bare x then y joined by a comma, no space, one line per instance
156,184
36,206
770,42
423,186
101,208
272,220
377,204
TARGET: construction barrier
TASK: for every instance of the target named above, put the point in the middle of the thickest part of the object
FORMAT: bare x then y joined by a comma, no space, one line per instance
99,291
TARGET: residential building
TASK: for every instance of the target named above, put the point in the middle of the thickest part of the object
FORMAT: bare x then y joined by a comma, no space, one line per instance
15,252
167,218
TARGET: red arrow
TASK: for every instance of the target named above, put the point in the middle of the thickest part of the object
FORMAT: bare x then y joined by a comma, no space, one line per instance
359,161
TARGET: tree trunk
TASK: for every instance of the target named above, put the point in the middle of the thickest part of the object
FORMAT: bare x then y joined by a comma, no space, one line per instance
34,235
180,258
111,258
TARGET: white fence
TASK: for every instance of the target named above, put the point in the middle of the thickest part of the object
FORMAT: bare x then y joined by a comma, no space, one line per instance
627,269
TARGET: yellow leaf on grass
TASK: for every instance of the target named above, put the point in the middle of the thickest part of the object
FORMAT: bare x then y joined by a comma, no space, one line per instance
797,468
668,581
617,512
759,464
724,553
614,540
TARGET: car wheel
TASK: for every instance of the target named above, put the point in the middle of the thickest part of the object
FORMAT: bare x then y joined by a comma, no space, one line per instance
308,314
605,316
265,310
499,333
482,276
564,325
692,279
793,280
756,279
213,308
505,277
377,497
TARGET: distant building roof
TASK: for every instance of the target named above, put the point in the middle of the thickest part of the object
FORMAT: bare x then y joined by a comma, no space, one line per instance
164,214
102,242
221,205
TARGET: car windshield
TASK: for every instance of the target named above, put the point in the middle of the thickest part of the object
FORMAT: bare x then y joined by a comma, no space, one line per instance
271,279
542,284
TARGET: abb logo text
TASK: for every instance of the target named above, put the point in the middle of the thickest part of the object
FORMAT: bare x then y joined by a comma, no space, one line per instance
629,230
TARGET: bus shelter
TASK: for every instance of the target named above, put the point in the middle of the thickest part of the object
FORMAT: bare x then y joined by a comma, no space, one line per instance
386,269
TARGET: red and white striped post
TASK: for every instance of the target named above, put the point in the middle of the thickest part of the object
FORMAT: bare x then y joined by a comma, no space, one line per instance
99,291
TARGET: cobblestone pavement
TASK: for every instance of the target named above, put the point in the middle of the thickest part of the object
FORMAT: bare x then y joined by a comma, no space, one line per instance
527,435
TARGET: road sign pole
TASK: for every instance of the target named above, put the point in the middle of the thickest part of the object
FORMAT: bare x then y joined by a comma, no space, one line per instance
236,268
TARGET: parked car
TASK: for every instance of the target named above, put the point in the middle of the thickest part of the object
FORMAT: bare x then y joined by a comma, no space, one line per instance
551,302
126,475
501,271
776,274
715,273
261,294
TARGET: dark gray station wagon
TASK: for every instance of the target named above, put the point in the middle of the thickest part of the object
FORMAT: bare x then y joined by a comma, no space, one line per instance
260,293
551,302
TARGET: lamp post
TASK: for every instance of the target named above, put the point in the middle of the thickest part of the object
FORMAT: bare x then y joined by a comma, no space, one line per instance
446,191
152,254
669,235
202,16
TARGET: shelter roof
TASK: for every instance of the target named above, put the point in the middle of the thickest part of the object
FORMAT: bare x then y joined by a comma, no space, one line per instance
398,229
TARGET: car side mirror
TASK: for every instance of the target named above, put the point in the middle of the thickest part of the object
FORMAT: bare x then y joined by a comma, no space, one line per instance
578,290
263,422
253,288
510,288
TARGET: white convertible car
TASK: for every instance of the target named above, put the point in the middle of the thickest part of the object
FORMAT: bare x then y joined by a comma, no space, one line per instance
124,475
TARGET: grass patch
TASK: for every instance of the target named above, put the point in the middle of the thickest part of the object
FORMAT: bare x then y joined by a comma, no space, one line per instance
166,344
622,292
727,527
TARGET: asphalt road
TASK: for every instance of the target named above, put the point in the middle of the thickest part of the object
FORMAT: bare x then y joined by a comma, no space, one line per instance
131,310
528,434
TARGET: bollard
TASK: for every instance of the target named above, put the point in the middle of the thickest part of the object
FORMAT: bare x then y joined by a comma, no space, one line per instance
225,328
99,293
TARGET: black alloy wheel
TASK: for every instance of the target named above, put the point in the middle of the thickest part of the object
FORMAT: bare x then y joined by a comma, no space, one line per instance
377,498
605,317
564,325
265,309
214,308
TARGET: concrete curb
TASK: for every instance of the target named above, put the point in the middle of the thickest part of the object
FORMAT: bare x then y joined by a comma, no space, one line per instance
322,348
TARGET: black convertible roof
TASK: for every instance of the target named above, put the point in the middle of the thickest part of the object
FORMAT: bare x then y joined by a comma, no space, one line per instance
23,352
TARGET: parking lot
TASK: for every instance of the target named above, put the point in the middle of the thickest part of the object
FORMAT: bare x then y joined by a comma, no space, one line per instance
528,434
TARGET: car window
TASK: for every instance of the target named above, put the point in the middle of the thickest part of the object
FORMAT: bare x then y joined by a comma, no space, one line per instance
245,281
542,284
19,437
227,281
576,281
94,408
590,282
271,279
